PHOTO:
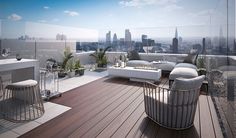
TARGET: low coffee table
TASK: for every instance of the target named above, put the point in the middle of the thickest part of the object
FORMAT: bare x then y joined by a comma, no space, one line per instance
135,74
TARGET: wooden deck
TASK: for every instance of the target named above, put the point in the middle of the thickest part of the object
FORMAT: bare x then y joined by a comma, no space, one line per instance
114,107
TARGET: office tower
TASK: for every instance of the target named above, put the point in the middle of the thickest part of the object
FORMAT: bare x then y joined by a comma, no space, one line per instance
222,43
203,46
234,47
114,42
108,38
175,45
128,41
144,40
176,33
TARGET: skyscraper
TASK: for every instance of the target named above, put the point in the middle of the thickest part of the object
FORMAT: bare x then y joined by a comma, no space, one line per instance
204,46
175,45
144,40
128,41
108,38
176,33
114,42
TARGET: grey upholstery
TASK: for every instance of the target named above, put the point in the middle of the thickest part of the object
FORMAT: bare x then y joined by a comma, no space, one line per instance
183,72
187,65
174,108
138,63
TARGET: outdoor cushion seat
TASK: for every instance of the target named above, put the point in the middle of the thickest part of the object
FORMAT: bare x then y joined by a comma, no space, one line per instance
173,108
138,63
164,65
187,65
183,72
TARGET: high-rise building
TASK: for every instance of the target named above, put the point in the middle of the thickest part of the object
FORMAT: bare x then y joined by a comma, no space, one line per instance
144,40
176,33
114,42
108,38
204,46
175,45
128,41
222,42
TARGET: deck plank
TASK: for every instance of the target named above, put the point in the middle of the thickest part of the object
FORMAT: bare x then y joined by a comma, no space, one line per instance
214,119
114,107
207,129
94,131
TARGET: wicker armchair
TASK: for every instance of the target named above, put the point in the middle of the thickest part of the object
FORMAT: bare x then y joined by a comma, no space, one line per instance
173,108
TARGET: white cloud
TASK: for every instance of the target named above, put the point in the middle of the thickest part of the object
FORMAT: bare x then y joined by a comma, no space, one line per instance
14,17
42,21
140,3
172,7
71,13
46,7
202,13
55,20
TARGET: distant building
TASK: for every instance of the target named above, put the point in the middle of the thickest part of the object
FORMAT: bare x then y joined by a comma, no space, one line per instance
203,46
115,42
128,41
61,37
176,33
108,38
144,40
222,43
175,45
234,49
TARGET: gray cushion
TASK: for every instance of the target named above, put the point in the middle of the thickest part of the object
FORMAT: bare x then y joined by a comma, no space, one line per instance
133,55
183,72
187,65
192,57
165,65
187,83
138,63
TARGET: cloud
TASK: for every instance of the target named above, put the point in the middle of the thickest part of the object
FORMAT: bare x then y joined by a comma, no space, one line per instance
55,20
14,17
202,13
141,3
172,7
46,7
71,13
42,21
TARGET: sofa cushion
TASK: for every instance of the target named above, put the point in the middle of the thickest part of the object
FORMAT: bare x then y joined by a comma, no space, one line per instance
188,83
164,65
192,57
183,72
133,55
187,65
138,63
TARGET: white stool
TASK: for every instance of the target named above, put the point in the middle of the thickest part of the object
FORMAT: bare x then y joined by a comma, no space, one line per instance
22,101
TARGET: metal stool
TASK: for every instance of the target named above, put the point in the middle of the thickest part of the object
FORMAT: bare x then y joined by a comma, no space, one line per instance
22,101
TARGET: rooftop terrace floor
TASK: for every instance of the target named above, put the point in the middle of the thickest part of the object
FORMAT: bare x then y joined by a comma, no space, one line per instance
114,107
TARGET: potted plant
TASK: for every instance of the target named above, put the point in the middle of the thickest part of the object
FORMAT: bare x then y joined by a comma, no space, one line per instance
62,66
70,68
100,57
201,66
78,68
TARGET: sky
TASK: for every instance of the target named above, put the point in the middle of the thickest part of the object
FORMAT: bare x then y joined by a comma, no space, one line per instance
116,15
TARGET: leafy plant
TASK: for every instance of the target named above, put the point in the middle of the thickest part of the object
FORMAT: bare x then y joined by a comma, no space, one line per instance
201,62
70,65
100,56
67,56
77,64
